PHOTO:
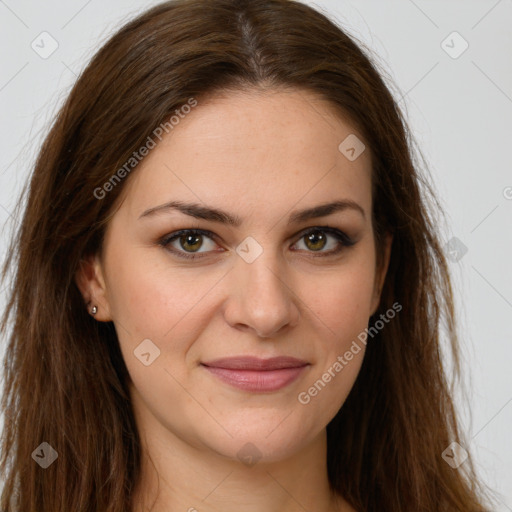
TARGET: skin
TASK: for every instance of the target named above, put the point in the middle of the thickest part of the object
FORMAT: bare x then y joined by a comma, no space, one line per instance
260,156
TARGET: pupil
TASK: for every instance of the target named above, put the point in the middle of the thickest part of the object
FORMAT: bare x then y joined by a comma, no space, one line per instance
315,238
187,238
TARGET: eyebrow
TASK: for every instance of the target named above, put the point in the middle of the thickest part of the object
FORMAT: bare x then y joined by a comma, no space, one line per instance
216,215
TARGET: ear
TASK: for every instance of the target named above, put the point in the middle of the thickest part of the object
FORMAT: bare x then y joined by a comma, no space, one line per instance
90,280
380,274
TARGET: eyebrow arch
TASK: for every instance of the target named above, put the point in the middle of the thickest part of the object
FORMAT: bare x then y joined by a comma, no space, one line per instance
215,215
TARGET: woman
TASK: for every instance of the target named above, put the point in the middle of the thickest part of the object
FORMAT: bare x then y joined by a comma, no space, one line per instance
294,362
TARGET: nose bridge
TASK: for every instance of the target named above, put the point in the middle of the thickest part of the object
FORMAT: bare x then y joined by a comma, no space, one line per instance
263,275
261,298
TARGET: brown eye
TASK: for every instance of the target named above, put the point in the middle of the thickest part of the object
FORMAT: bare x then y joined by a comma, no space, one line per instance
317,239
192,242
187,242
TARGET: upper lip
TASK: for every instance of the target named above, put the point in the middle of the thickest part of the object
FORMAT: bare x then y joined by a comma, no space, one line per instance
255,363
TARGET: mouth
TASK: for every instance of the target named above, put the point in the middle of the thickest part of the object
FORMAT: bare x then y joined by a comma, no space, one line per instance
255,374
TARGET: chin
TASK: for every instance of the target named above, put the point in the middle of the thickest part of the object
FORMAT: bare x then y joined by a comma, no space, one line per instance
260,442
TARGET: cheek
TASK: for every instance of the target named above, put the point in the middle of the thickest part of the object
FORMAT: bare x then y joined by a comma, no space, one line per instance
150,296
341,306
342,300
169,306
341,311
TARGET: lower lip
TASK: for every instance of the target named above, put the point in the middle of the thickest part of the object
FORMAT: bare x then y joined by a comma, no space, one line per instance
257,380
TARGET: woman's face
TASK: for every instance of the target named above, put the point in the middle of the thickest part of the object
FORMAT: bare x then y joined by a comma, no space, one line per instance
275,283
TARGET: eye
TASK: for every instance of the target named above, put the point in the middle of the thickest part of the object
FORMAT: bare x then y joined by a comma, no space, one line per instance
188,239
317,238
187,242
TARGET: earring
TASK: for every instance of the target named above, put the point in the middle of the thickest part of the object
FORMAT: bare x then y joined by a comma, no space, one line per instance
94,310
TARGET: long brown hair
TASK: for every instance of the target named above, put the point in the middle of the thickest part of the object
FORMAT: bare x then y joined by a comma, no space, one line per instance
65,378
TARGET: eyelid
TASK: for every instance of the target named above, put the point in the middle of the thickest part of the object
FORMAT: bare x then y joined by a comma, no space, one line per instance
343,239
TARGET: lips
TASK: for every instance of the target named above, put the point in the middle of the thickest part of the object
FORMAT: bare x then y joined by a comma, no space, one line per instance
255,363
254,374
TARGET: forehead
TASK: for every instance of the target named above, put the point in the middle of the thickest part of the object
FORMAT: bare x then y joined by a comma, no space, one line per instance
253,149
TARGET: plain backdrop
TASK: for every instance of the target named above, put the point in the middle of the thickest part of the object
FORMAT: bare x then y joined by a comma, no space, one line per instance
451,64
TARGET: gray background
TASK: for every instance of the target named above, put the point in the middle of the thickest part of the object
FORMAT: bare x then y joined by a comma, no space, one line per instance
460,110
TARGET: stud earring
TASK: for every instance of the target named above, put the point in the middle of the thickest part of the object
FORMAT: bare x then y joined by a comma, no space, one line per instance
94,310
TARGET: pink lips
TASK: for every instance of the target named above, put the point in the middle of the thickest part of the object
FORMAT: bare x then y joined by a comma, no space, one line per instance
254,374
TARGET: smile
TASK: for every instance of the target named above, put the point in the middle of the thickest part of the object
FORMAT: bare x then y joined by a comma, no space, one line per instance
257,375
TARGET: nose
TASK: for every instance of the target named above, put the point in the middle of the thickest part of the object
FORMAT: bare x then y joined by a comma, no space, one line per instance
260,299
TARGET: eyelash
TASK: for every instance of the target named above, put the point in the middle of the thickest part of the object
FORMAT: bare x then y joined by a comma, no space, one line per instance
343,239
